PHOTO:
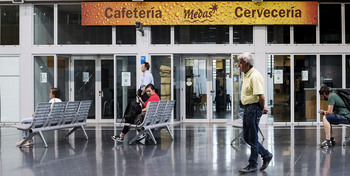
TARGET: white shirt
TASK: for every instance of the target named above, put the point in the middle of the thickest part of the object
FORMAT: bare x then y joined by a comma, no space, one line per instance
53,100
147,79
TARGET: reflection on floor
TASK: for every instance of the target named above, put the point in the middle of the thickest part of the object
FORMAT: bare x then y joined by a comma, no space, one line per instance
198,149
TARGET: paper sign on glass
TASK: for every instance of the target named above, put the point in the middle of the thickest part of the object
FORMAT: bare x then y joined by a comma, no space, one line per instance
278,77
86,76
305,75
43,77
126,79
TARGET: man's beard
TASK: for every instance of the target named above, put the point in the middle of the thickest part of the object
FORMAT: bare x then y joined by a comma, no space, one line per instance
325,98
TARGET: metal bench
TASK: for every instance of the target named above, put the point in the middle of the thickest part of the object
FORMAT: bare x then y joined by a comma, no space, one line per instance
346,136
61,115
238,123
158,116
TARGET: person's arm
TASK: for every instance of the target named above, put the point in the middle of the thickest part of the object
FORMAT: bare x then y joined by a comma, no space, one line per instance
262,104
329,110
145,109
140,100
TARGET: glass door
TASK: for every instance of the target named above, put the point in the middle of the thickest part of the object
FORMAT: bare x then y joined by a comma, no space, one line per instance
208,87
221,91
278,83
125,83
93,79
196,88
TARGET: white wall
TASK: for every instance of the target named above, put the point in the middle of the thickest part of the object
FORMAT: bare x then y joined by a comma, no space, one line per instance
9,89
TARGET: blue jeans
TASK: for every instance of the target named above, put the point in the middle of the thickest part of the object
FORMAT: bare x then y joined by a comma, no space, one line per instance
336,119
25,134
251,119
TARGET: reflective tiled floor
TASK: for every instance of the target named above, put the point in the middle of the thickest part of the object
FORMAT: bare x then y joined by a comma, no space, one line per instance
198,150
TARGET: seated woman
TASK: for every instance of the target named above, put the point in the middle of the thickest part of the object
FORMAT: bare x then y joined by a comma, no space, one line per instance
150,90
54,97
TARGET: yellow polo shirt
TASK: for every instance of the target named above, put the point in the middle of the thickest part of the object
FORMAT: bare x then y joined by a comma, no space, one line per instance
253,86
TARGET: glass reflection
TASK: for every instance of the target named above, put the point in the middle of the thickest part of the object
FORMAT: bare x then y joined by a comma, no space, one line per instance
43,25
305,88
278,81
126,93
222,87
196,88
43,78
161,71
202,34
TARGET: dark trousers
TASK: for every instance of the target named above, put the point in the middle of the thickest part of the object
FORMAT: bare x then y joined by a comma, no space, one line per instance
251,119
138,120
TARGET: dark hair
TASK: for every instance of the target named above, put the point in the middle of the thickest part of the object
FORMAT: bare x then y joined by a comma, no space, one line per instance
324,90
150,86
146,65
55,92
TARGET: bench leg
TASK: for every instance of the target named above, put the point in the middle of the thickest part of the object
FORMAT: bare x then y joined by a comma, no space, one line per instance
171,135
262,135
347,137
75,129
42,138
83,129
133,139
237,137
70,132
152,136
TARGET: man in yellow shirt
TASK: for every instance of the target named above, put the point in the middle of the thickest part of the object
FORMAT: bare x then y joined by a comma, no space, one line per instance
253,101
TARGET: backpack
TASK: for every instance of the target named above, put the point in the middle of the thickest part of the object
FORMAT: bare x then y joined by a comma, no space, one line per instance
345,96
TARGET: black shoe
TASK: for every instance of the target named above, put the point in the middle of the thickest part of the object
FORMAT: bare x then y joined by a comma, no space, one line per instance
333,141
248,169
266,162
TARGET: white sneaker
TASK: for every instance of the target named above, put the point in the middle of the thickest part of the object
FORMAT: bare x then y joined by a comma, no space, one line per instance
142,136
18,143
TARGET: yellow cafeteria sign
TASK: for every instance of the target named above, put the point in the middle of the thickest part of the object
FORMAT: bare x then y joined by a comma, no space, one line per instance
199,13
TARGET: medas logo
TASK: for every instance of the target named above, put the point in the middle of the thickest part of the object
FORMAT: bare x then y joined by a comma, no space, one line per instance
199,15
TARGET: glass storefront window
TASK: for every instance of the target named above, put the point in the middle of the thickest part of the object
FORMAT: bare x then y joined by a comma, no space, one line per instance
177,87
347,71
278,34
161,71
305,88
85,82
160,34
347,24
242,34
43,25
278,83
107,85
201,34
124,94
70,30
196,88
43,78
63,77
330,23
331,74
305,34
126,35
237,85
9,25
221,87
